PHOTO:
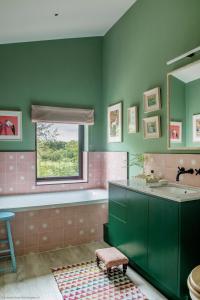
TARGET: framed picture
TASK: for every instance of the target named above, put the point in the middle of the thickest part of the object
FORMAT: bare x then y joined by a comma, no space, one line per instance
115,123
152,100
175,131
151,127
196,128
132,119
10,125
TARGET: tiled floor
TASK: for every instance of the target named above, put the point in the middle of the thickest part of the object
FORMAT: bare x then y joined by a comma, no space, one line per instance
34,279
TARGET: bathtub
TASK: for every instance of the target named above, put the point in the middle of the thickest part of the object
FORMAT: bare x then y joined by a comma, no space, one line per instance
51,200
50,221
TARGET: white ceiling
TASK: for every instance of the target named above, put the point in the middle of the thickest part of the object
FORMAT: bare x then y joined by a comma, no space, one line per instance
33,20
188,73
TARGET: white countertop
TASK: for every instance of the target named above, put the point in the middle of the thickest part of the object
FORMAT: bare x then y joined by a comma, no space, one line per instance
138,187
54,199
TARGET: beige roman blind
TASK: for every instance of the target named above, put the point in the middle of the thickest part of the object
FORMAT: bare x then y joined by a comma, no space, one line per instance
51,114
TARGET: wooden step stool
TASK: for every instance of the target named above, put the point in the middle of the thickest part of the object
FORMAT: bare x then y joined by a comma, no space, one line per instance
111,257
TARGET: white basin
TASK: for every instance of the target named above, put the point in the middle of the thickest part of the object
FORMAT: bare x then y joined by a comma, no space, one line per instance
176,190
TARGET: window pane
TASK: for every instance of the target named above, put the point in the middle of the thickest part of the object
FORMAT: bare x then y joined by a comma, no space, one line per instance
57,150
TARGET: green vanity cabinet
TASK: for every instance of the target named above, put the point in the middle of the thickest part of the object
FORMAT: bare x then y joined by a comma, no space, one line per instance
127,228
160,237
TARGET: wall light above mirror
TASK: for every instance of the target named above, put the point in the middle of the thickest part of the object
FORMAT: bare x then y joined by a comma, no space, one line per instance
184,108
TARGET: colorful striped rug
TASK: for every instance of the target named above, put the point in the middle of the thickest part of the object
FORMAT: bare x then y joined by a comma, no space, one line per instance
86,281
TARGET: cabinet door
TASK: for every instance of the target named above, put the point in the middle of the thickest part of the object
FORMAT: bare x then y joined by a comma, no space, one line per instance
117,194
117,226
163,242
189,241
117,233
137,228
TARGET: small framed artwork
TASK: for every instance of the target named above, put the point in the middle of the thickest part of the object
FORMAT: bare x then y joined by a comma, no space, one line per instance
132,119
196,128
175,130
115,123
151,127
10,125
152,100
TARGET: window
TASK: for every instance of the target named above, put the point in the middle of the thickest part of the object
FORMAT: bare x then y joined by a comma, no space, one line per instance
59,151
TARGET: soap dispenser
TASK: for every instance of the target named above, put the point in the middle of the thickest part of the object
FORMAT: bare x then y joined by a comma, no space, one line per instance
152,176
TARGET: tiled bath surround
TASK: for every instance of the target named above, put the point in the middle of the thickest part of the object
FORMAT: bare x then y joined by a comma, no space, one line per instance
17,172
166,165
48,229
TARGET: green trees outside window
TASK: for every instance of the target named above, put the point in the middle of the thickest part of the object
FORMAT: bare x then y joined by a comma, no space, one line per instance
58,151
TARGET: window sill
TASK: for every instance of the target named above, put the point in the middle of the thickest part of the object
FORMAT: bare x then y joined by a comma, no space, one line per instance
47,182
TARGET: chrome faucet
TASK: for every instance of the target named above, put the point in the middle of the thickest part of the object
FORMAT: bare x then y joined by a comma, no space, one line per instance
182,170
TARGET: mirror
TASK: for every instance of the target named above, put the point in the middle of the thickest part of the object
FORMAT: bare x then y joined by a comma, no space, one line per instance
184,107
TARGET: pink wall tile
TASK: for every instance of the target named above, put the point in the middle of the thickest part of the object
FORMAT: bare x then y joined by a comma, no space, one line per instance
30,239
20,251
2,231
2,178
17,172
48,229
43,230
10,156
2,156
72,226
70,236
51,240
167,165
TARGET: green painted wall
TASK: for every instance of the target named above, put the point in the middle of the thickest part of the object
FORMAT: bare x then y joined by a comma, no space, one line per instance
135,52
178,107
59,72
192,96
131,59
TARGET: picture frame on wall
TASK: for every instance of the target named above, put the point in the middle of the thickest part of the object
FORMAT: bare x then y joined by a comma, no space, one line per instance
152,101
196,128
10,125
114,115
132,119
175,131
151,126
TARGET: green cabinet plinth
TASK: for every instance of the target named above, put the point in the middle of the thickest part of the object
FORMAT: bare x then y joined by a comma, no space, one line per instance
159,236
